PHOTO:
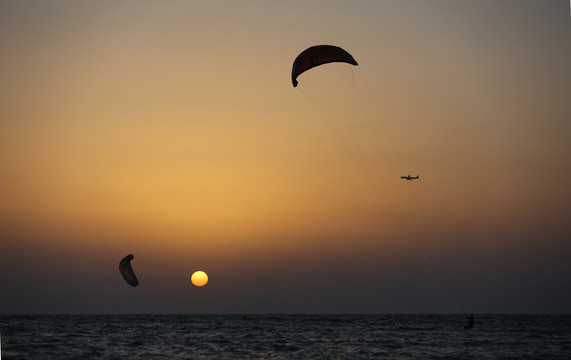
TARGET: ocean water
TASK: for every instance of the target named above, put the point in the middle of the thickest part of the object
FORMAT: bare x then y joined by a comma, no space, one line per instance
284,337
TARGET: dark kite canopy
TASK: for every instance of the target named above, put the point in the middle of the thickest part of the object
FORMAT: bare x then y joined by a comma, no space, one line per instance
319,55
127,271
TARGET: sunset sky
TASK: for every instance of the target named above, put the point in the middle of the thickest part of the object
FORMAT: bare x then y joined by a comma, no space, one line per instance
171,130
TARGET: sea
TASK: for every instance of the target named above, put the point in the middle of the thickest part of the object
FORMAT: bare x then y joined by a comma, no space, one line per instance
284,337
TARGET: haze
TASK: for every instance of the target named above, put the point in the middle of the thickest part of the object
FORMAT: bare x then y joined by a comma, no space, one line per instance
171,130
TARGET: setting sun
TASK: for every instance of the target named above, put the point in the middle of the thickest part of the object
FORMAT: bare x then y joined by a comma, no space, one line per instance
199,278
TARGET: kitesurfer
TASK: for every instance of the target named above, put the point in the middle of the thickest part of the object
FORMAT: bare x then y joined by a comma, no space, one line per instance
470,321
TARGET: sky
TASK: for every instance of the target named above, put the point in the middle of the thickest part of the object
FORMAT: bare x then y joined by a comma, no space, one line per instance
171,131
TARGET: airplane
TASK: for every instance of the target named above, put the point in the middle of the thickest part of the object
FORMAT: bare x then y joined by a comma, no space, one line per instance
410,177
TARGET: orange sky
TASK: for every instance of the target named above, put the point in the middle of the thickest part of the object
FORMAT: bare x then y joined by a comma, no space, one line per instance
171,131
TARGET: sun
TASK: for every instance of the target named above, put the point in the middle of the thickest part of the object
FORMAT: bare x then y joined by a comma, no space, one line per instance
199,278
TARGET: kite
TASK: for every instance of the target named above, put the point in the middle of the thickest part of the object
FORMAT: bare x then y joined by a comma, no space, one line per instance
127,271
319,55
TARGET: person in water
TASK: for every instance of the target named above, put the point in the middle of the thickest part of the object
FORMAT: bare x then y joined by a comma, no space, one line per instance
470,322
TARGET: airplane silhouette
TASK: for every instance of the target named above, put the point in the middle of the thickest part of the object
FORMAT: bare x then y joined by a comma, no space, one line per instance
410,177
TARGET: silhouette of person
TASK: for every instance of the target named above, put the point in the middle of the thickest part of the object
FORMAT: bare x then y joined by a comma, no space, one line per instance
470,322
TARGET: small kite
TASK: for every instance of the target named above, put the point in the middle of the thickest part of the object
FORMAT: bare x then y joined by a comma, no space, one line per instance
127,271
319,55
